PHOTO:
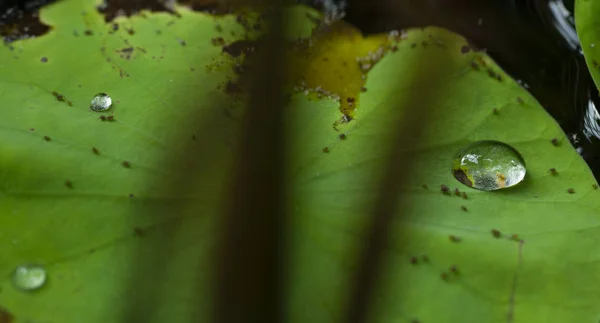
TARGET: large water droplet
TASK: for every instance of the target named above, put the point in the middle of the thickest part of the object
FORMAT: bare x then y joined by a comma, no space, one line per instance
489,165
29,277
101,102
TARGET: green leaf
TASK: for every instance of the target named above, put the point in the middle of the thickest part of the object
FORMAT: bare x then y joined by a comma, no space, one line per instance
146,257
542,268
588,31
67,199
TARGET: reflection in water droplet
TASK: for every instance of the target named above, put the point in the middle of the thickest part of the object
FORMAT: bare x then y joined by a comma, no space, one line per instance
29,277
101,102
488,165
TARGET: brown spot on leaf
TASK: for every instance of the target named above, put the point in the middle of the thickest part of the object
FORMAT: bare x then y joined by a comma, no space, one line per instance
454,270
554,142
454,238
95,151
69,184
236,48
233,89
59,97
218,41
496,233
445,189
139,231
125,53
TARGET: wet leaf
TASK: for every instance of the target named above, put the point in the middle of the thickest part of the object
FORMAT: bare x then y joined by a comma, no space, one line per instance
589,35
523,254
92,198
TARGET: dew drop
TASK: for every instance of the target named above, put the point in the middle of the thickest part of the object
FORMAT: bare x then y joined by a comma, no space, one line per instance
101,102
29,277
489,165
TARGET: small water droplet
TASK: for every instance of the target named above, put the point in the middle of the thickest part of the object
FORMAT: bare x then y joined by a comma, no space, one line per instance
29,277
489,165
101,102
